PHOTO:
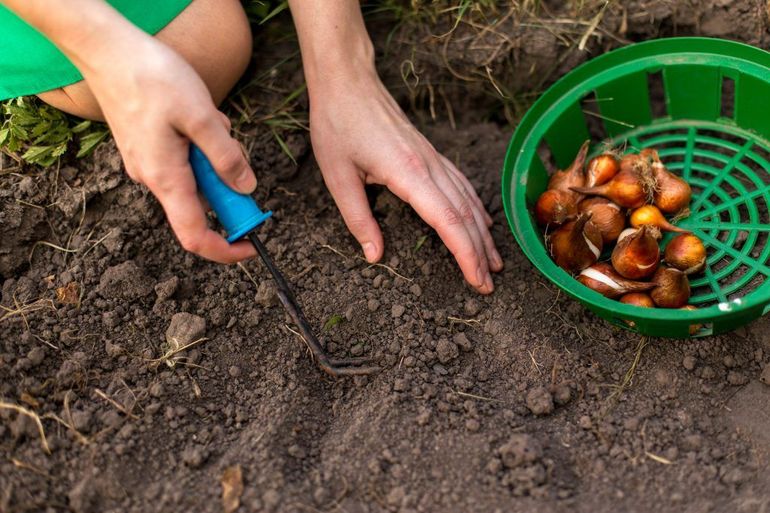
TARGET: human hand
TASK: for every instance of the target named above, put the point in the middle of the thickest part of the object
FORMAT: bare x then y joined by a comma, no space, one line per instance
361,136
156,104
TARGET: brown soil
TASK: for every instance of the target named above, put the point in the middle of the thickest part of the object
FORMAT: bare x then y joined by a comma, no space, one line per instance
521,401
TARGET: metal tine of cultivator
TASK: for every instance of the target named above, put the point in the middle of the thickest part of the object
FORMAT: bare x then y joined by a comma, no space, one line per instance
330,365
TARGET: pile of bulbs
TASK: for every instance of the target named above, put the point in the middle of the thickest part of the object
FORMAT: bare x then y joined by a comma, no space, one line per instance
587,209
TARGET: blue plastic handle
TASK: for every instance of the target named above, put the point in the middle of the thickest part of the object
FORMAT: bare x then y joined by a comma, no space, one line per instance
237,213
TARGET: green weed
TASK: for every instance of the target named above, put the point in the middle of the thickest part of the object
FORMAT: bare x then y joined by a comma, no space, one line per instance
36,133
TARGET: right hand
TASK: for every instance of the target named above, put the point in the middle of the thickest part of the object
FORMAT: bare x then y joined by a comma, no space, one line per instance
156,104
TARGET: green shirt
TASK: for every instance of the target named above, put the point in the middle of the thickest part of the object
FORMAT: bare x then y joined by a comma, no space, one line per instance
31,64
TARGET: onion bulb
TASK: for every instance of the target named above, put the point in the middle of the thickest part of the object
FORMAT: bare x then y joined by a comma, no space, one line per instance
573,176
555,207
606,215
652,216
577,244
641,299
687,253
672,194
603,279
672,288
630,188
637,255
601,169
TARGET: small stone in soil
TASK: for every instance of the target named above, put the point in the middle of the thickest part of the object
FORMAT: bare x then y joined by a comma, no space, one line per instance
737,378
462,341
184,329
397,311
472,307
373,305
521,449
765,376
540,401
561,394
446,351
688,362
165,289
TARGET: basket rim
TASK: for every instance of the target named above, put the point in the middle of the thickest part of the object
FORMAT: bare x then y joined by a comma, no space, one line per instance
748,57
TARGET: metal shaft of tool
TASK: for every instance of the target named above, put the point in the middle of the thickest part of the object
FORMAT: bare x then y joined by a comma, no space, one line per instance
333,366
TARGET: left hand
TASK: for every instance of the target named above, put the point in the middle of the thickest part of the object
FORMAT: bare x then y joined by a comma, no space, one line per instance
361,136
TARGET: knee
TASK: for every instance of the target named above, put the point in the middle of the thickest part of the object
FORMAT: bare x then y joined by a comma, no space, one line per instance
76,99
221,47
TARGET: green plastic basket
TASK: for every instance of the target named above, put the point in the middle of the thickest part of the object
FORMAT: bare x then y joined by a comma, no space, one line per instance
705,105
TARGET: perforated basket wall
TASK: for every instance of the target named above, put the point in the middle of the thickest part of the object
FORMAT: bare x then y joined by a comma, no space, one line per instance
705,105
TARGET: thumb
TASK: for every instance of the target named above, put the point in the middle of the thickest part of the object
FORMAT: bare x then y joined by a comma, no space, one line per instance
350,197
211,135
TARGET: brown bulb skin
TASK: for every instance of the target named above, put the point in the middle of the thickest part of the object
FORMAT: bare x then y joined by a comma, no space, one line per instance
573,176
606,215
602,278
672,194
637,255
555,207
576,245
627,189
641,299
601,169
687,253
672,288
650,215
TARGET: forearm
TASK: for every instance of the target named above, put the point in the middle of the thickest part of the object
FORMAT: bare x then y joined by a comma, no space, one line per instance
87,31
334,42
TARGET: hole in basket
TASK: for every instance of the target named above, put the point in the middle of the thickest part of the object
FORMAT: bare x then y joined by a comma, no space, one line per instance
671,138
704,331
657,94
759,245
715,148
734,290
591,112
708,162
728,97
763,153
736,140
546,156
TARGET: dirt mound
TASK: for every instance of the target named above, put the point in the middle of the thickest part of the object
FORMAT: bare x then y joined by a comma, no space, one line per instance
154,373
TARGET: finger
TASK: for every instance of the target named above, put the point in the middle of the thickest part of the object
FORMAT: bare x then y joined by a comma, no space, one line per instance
469,187
459,198
349,195
493,256
188,221
432,205
226,121
225,153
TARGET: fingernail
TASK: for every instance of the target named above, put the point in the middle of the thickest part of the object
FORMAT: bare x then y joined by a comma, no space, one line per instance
246,182
370,251
489,286
481,277
497,259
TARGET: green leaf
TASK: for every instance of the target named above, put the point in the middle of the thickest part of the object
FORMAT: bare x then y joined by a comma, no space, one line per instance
90,141
35,153
275,12
284,146
333,321
4,133
420,243
80,127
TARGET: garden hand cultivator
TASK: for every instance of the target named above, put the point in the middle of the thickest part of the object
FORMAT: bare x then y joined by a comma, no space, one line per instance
240,216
